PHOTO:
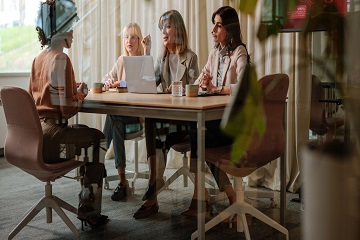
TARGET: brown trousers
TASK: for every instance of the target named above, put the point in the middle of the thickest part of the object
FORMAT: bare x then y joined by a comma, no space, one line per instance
80,136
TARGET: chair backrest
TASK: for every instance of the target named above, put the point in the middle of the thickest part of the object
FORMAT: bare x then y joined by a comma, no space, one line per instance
24,138
317,110
272,144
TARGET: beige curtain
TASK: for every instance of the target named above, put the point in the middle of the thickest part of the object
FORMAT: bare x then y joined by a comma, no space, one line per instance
97,44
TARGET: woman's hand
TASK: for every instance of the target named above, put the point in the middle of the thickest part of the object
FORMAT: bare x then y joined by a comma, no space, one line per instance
82,90
146,43
111,83
205,81
169,89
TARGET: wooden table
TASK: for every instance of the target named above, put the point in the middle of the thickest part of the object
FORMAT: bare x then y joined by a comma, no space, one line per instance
164,106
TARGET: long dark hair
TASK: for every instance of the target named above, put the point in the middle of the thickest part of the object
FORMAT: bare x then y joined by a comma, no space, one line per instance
230,20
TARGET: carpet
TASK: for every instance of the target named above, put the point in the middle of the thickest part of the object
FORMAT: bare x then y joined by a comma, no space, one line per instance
19,191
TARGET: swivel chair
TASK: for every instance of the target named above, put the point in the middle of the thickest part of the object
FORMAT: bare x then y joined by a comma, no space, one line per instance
260,152
135,136
23,148
182,145
319,123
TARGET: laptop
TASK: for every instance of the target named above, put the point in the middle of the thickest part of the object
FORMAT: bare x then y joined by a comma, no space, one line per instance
140,74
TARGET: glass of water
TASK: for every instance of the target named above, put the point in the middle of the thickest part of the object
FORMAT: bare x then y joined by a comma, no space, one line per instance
176,89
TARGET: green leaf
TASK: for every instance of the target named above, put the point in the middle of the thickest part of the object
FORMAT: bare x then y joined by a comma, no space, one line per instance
264,31
248,6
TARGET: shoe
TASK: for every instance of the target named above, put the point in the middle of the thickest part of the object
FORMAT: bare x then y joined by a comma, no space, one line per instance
144,212
193,209
93,221
152,189
121,192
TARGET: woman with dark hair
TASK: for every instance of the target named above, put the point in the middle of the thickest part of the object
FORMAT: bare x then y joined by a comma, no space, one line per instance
226,62
221,75
58,98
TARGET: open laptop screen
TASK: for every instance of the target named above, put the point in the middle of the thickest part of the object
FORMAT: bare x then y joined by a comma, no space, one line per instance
139,74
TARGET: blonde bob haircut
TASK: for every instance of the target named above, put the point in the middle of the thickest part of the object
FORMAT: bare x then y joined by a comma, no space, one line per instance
134,30
181,38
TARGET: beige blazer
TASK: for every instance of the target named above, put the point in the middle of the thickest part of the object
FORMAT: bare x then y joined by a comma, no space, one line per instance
234,65
187,69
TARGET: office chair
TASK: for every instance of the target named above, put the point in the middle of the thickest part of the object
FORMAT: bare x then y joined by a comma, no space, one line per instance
319,123
23,148
260,152
130,174
182,145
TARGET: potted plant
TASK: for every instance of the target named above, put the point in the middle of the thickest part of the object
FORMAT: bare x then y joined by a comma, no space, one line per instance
330,170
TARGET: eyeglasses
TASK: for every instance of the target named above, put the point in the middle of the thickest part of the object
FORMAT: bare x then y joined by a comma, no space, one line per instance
131,38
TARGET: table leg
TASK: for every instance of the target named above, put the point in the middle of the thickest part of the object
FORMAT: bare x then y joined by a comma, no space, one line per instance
201,175
283,173
282,189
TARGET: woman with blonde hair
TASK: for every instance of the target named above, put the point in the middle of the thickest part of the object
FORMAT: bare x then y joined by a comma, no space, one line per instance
115,125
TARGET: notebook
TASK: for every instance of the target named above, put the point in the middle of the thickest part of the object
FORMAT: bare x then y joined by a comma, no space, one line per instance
139,74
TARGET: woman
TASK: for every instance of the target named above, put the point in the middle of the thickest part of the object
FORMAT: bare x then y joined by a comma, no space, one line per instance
115,126
57,98
177,62
224,67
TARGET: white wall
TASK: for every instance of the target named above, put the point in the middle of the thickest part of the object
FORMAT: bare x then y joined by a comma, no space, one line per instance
16,79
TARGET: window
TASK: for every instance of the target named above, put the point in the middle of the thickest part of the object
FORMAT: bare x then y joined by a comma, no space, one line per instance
18,38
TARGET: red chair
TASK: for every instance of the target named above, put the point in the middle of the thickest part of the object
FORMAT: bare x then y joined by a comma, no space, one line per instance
260,152
23,148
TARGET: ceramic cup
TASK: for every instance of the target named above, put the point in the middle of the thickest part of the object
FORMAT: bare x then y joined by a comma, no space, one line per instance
97,87
192,90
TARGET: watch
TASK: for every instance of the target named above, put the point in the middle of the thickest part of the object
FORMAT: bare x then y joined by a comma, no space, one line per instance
219,88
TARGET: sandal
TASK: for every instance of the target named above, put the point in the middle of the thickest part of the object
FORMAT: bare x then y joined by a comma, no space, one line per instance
93,221
193,209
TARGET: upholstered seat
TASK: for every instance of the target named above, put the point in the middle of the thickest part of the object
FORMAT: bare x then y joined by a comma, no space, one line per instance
260,152
23,148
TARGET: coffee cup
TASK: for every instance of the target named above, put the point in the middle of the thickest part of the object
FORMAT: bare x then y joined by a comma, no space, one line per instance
191,90
97,87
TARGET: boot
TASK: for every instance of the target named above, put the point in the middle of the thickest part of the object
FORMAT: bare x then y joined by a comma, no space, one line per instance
90,196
